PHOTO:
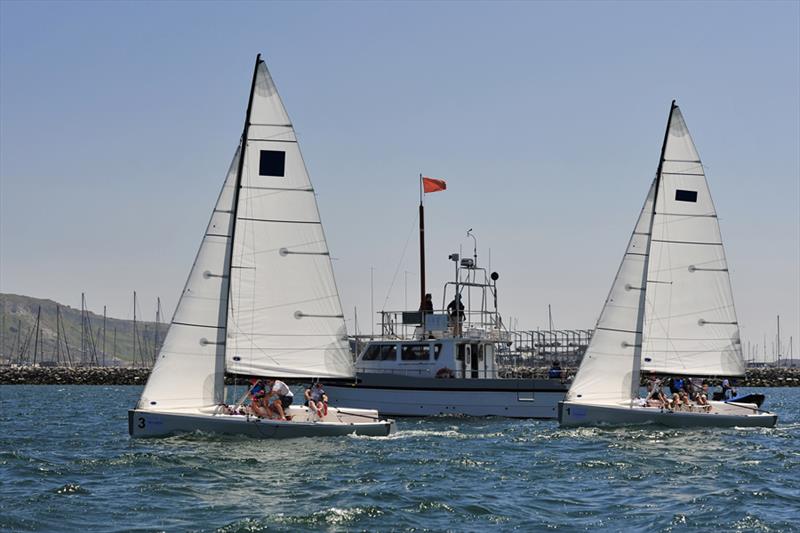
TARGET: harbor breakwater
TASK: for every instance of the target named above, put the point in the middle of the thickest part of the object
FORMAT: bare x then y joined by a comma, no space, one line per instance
62,375
36,375
755,377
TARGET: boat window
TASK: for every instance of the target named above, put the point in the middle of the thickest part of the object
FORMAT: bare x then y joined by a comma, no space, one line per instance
415,352
437,349
388,352
372,353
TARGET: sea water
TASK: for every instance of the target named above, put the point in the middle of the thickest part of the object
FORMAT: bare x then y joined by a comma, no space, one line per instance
67,464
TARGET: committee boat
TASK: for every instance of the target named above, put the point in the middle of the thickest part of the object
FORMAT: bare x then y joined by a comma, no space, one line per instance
260,299
670,309
445,361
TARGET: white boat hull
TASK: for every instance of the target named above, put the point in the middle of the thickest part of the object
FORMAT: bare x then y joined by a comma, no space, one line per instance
411,396
722,414
338,422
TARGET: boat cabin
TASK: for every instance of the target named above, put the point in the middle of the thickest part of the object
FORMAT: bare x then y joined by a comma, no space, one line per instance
432,358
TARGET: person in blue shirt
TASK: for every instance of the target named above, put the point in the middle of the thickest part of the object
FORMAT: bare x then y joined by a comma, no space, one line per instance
676,385
555,371
728,391
258,398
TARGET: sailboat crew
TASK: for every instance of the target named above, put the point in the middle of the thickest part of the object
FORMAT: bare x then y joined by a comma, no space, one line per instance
280,397
455,310
316,399
427,304
258,397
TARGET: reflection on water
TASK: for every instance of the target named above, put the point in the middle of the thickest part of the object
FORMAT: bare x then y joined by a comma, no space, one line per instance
73,467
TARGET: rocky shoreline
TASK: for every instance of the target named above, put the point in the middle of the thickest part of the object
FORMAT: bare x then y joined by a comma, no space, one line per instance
756,377
35,375
61,375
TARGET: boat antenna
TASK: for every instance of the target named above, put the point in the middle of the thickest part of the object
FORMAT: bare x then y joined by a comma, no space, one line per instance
474,246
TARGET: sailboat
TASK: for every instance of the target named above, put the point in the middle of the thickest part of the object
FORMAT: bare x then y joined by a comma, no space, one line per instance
670,309
260,300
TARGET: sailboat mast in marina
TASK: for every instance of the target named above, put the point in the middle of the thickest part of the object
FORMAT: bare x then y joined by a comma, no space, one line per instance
260,300
670,309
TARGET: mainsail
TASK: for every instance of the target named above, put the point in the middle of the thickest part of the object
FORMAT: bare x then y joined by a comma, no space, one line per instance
690,321
284,315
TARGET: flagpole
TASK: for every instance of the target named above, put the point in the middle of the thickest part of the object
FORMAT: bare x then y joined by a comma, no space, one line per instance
421,245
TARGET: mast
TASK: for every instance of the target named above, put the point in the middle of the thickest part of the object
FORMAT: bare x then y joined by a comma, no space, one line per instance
3,351
134,327
83,329
421,245
637,348
58,336
17,351
158,325
372,299
104,335
66,344
36,344
237,186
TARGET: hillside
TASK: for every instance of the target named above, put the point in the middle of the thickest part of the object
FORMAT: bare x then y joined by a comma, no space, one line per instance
18,335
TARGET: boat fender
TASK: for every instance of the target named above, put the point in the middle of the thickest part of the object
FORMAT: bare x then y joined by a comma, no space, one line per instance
444,372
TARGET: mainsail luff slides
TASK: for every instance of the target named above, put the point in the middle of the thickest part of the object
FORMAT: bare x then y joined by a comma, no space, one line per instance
670,308
260,298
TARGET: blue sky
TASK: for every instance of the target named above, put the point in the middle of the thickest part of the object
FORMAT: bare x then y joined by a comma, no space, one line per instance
118,121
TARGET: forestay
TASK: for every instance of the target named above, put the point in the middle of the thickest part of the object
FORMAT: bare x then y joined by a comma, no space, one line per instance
189,369
609,372
690,321
285,317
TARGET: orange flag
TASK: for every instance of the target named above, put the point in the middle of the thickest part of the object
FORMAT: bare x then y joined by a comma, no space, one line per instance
433,184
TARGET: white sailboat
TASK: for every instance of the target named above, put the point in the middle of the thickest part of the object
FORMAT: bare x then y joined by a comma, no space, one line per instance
670,309
260,300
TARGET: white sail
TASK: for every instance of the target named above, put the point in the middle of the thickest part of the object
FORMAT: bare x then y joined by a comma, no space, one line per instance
609,372
189,369
690,321
285,317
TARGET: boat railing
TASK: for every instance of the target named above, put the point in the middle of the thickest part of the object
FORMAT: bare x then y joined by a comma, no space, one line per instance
439,324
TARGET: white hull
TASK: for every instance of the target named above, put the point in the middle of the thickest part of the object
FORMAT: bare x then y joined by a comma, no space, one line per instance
338,422
405,396
721,415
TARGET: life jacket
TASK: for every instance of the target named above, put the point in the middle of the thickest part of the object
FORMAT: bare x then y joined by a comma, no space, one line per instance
259,390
